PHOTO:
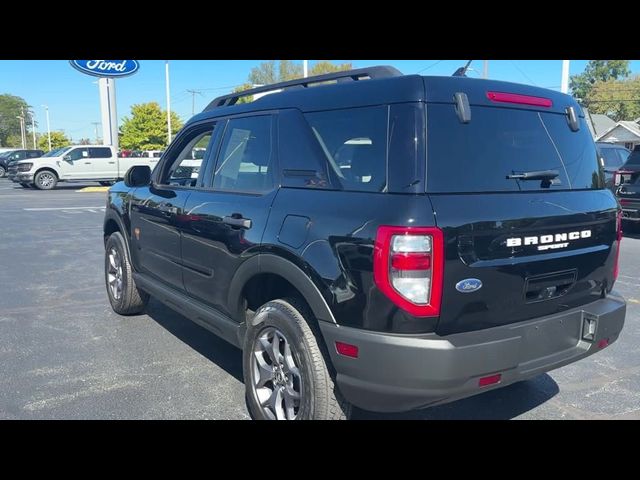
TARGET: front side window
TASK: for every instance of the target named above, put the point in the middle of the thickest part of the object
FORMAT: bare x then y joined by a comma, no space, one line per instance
77,154
184,170
611,157
245,160
355,144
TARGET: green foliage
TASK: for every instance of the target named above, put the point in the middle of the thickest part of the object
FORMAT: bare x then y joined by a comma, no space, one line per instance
619,99
597,71
14,141
146,129
10,107
242,88
324,66
58,140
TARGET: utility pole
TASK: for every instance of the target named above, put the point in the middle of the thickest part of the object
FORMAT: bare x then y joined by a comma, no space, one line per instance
564,85
166,73
485,69
193,100
33,129
23,121
305,68
21,130
95,125
46,107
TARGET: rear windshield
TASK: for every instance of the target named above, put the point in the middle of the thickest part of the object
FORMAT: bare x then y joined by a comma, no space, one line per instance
497,142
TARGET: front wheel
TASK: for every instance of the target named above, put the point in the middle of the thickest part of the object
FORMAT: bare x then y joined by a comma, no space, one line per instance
3,171
285,372
124,296
45,180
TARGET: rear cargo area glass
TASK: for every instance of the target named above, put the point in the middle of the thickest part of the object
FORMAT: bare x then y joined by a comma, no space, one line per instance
497,142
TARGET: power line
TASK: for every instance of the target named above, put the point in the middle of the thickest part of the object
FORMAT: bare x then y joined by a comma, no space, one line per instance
430,66
523,74
193,100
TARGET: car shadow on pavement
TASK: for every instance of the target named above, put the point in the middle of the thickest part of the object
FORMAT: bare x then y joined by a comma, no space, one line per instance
220,352
501,404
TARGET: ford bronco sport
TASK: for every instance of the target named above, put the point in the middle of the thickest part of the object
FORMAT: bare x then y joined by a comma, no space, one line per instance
379,240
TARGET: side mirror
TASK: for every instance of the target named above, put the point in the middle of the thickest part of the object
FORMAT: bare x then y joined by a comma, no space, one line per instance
67,158
138,176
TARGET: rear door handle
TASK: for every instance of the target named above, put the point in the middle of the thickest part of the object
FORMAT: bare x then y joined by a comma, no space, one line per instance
237,222
87,163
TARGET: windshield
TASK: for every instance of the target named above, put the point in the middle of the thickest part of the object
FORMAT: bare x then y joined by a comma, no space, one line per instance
5,154
498,145
56,152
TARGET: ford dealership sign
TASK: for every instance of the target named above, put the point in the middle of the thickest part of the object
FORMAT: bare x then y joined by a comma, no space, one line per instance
106,68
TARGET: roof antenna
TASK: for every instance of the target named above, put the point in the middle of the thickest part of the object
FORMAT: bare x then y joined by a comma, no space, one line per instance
462,71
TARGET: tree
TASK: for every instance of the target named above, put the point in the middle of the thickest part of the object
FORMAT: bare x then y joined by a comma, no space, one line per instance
597,71
146,129
58,140
619,99
242,88
324,66
11,107
84,141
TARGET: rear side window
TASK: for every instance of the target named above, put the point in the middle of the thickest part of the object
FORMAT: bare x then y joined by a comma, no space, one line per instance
99,152
634,158
354,142
478,156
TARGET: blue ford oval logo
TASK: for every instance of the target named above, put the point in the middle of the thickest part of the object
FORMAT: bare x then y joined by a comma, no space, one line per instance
469,285
106,68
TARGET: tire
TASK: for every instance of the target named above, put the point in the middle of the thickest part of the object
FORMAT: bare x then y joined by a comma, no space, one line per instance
318,399
3,171
124,296
106,184
45,180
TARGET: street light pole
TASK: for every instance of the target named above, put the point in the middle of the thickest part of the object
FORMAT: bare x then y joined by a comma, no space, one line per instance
21,130
33,129
564,86
305,68
46,107
485,69
166,72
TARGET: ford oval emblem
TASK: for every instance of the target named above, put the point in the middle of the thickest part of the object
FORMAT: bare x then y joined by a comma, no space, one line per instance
469,285
106,68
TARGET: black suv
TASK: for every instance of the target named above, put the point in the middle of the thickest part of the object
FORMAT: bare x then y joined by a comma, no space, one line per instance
7,158
379,240
627,181
613,156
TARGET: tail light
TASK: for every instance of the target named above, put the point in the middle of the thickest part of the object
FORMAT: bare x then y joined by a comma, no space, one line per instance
617,177
408,267
616,266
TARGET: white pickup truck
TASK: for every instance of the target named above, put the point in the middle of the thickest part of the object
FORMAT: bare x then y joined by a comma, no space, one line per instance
76,163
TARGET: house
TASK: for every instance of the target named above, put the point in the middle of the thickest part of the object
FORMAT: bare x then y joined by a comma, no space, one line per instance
598,123
625,133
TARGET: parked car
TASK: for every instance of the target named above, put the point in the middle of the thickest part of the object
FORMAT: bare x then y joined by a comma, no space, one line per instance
613,157
77,163
7,158
627,180
392,243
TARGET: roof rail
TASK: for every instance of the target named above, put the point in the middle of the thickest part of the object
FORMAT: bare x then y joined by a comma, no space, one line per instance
346,75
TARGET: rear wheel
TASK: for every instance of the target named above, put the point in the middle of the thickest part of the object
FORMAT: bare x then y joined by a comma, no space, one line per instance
45,180
124,296
285,372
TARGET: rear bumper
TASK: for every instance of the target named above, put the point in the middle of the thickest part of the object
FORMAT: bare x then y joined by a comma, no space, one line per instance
405,372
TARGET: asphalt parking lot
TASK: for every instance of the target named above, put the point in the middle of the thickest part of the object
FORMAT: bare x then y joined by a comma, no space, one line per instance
65,355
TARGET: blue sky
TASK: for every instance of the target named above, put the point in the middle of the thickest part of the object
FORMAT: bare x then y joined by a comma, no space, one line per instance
74,102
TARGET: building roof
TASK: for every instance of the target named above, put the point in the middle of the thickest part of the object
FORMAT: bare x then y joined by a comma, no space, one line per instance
631,126
601,123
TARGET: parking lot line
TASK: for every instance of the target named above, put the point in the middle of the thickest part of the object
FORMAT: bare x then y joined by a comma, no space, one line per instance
62,208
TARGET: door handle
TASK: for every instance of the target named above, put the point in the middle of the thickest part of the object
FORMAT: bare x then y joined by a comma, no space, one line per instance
167,209
237,221
87,163
111,163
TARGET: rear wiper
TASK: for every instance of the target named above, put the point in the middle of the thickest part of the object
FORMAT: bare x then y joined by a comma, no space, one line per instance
539,175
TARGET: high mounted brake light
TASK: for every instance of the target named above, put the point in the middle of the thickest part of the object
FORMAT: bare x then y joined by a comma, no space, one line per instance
504,97
408,266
